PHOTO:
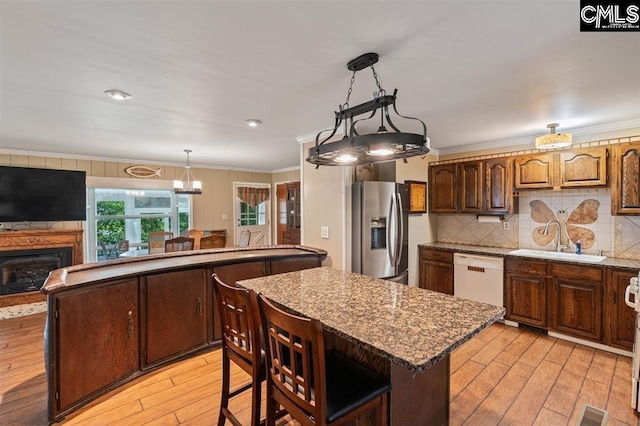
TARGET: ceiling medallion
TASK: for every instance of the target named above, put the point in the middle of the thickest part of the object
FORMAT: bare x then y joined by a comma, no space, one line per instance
385,144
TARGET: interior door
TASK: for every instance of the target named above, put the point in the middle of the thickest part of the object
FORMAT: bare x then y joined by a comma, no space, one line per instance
255,219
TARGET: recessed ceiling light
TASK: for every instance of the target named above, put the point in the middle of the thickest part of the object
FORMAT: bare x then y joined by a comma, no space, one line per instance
253,122
117,94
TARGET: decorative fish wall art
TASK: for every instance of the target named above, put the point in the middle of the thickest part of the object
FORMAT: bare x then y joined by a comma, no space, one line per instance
584,214
142,171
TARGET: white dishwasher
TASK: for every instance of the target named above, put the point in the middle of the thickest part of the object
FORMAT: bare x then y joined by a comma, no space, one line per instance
478,278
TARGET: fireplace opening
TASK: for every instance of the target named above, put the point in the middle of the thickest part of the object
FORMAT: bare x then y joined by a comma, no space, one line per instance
27,270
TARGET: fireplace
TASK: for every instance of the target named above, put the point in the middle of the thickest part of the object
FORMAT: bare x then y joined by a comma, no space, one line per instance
26,270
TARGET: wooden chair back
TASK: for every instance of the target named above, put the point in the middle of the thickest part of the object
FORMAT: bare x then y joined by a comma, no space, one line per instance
245,238
213,241
195,234
240,322
295,361
178,244
155,241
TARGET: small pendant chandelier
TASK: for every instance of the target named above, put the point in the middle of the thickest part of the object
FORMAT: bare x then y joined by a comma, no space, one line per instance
187,184
357,149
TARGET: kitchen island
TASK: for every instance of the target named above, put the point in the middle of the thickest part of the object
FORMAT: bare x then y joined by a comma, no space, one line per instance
402,332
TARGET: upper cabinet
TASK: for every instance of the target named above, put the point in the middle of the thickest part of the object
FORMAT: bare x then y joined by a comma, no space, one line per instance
443,184
534,171
472,187
564,169
625,183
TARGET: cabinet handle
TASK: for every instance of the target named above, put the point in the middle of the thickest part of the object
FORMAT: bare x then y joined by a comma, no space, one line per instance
130,322
199,310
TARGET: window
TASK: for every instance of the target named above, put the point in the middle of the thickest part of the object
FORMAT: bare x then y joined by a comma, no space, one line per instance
252,215
120,214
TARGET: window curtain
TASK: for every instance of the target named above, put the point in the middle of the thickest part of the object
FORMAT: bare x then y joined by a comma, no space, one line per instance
253,196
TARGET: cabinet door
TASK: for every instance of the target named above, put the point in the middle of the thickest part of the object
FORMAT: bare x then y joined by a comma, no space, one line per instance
576,307
293,205
471,187
620,319
443,189
98,336
436,276
498,174
175,313
625,181
583,167
534,171
280,266
526,298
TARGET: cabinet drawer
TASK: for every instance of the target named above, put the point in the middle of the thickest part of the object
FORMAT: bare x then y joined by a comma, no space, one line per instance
529,266
583,273
436,255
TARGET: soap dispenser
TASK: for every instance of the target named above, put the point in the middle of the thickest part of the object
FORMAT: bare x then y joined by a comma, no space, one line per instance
578,247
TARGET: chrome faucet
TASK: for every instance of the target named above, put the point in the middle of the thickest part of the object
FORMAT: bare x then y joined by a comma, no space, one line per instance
559,247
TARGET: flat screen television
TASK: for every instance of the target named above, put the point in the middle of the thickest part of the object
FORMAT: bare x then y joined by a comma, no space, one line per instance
42,195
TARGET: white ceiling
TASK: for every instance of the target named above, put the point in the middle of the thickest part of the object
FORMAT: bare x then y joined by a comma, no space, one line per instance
474,71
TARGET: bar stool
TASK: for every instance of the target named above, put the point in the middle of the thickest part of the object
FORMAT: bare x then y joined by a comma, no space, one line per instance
240,343
315,386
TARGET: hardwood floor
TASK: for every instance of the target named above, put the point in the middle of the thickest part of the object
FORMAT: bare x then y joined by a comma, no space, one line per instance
504,376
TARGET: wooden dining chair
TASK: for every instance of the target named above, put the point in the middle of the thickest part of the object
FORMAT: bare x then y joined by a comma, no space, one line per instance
213,241
178,244
195,234
316,387
155,241
240,320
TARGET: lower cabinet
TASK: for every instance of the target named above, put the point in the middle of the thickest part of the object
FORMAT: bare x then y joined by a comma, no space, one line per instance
526,286
98,335
576,300
436,270
280,266
175,308
621,319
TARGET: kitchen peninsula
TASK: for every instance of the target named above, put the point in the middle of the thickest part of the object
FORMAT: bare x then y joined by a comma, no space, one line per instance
112,321
402,332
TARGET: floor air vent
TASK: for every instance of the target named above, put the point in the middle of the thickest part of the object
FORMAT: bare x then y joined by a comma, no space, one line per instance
592,416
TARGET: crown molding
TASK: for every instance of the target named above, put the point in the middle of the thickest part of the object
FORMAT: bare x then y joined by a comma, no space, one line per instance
582,131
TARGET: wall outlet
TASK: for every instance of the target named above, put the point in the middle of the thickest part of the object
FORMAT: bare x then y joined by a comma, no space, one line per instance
324,232
505,225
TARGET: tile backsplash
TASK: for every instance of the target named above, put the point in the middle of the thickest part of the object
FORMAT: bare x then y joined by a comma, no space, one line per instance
616,236
568,200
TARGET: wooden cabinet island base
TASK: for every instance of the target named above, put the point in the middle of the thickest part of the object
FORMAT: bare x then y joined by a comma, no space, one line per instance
110,322
405,333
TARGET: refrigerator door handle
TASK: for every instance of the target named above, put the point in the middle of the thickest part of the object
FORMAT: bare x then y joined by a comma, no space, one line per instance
400,236
390,251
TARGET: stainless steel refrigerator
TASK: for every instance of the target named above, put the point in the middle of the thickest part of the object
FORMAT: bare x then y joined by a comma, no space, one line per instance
380,230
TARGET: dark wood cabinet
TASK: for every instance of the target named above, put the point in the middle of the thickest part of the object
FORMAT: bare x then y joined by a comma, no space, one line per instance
443,189
583,167
175,304
470,178
436,270
234,272
526,285
534,171
576,300
472,187
280,266
620,318
625,180
498,186
98,336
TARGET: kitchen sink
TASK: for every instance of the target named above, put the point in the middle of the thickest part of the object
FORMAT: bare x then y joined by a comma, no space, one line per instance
572,257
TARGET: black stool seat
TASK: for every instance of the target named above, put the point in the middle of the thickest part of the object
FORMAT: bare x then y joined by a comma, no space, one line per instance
350,385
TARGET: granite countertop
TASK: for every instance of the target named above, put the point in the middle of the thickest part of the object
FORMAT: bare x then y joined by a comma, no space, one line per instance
504,252
407,325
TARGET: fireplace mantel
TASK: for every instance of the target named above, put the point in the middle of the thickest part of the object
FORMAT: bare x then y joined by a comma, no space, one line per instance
39,239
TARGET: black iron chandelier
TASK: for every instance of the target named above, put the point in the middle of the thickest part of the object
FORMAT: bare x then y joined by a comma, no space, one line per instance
383,145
